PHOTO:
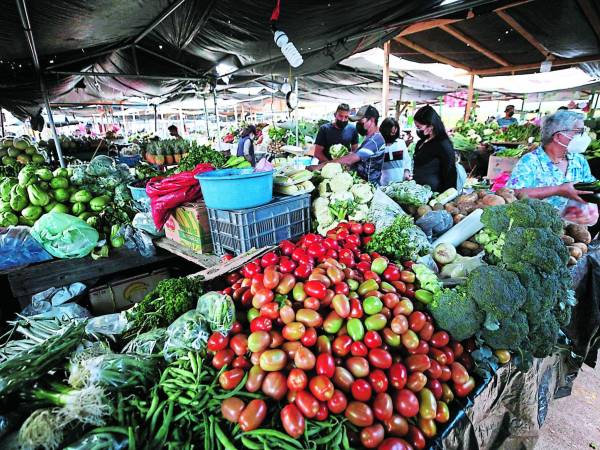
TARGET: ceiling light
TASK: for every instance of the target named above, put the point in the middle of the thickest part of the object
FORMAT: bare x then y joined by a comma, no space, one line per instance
288,49
448,2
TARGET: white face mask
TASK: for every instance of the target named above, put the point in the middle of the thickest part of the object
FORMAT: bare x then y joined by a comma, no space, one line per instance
578,143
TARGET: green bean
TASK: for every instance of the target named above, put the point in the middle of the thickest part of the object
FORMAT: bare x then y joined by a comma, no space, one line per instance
193,362
130,438
329,437
153,405
206,431
345,441
273,434
223,439
184,373
117,430
248,443
159,409
164,429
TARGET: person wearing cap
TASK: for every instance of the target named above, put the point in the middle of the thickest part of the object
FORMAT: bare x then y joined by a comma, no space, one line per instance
508,118
368,158
336,132
397,164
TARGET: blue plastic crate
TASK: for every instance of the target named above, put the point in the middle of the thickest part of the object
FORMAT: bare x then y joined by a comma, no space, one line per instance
238,231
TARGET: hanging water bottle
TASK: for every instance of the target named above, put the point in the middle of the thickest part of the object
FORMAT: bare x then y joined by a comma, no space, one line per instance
288,49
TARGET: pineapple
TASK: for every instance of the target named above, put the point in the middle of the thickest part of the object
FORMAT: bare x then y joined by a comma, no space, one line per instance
150,153
169,153
177,154
159,159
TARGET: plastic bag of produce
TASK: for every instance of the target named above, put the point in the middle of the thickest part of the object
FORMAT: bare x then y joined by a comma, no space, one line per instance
108,324
19,249
138,240
149,343
462,266
190,332
580,213
64,236
143,221
435,223
168,193
99,441
218,310
383,210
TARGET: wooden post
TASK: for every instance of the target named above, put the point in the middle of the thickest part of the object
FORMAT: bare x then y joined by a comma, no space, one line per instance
181,122
469,98
385,94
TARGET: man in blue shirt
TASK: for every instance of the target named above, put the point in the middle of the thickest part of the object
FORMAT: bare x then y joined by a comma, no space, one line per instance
508,118
368,159
337,132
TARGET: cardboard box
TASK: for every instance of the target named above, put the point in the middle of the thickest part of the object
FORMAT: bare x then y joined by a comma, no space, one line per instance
122,294
188,226
497,165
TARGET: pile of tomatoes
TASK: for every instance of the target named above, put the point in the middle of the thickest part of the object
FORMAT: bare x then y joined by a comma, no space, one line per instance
333,330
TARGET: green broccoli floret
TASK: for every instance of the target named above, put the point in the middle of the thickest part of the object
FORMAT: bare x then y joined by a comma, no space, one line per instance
543,335
526,213
511,335
537,246
456,313
498,292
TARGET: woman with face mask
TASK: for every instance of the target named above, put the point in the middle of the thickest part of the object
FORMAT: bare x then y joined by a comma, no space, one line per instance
550,171
246,144
434,159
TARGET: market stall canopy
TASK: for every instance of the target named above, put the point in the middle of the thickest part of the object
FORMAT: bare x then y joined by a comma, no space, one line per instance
513,38
159,48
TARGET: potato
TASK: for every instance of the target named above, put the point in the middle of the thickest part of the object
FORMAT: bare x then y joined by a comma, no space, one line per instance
582,246
452,210
457,218
470,245
492,200
568,240
438,207
467,208
579,232
423,209
507,194
572,261
467,198
575,252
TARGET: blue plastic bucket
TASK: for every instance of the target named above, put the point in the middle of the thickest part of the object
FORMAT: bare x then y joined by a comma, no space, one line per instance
140,197
232,189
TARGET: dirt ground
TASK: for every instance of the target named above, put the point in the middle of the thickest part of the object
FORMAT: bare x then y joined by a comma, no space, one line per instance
574,422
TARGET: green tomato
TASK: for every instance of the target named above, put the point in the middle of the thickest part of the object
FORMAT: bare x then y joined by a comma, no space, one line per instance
356,330
372,305
376,322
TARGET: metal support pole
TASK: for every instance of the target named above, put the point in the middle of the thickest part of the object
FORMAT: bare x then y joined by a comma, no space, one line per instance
218,124
206,118
155,121
297,115
181,122
385,94
2,121
24,16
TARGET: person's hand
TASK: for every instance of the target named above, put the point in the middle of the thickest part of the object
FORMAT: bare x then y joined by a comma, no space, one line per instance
568,190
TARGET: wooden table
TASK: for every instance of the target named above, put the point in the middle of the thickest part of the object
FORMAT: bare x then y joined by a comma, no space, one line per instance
204,260
36,278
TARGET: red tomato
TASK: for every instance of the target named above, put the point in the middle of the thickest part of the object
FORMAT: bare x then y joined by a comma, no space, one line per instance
253,415
426,332
416,321
307,404
416,437
378,380
359,349
270,310
391,273
321,387
316,250
239,344
380,358
292,421
435,370
287,247
359,414
302,271
343,378
297,380
298,253
368,229
310,337
217,342
251,269
436,388
286,265
341,345
346,257
312,303
406,403
361,390
323,412
337,403
261,324
325,365
227,257
356,309
353,239
372,339
311,238
231,378
262,296
383,407
358,366
371,437
274,385
394,444
364,266
341,288
417,363
240,362
440,339
315,289
398,375
356,228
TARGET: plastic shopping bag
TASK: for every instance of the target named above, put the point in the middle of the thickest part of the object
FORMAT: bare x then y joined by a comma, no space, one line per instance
64,236
168,193
19,249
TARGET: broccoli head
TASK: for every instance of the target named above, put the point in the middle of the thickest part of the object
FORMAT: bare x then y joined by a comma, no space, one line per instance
526,213
537,246
511,335
498,292
456,313
543,335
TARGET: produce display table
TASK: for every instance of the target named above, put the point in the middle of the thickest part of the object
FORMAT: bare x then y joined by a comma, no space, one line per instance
508,410
61,272
203,260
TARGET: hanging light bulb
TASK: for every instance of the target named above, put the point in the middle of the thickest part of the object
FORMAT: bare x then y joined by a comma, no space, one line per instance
288,49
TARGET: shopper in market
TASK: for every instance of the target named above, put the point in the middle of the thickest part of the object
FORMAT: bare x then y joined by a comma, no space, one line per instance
434,160
550,171
246,144
397,165
336,132
368,158
174,132
508,118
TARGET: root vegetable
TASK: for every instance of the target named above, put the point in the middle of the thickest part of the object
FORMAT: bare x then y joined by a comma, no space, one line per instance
457,218
579,232
444,253
467,208
582,246
467,198
572,261
492,200
423,209
575,252
568,240
470,245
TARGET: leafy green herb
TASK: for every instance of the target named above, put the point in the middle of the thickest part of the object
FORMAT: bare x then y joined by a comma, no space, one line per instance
401,241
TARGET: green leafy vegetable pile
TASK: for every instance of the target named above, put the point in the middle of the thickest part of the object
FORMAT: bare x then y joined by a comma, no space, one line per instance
401,241
408,193
197,154
164,304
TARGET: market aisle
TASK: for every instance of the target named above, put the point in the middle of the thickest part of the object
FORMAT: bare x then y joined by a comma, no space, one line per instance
574,422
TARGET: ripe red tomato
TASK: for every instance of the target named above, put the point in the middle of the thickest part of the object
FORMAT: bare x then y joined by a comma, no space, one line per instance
310,337
368,229
406,403
217,342
321,387
297,380
359,414
292,421
356,228
239,344
325,365
251,269
380,358
287,247
383,407
371,437
359,349
323,412
361,390
315,289
231,378
307,404
378,380
337,403
372,339
261,324
253,415
398,375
